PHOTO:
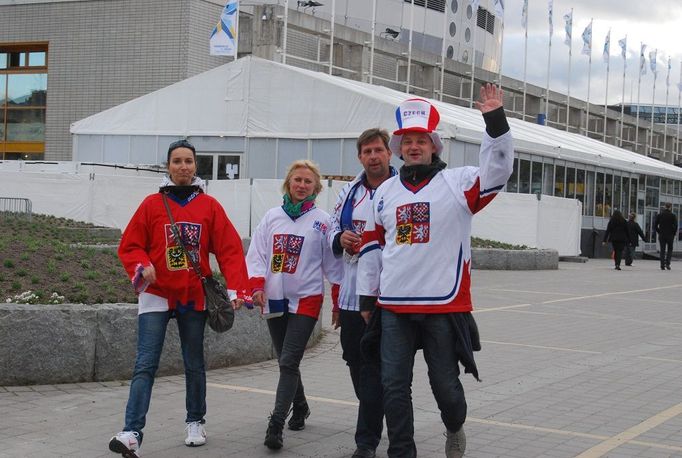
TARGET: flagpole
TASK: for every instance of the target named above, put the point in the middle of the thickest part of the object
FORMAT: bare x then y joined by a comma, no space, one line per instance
568,93
499,72
622,98
589,78
665,124
606,95
473,57
549,60
371,49
679,108
409,47
442,54
331,38
284,32
525,66
650,142
639,86
236,29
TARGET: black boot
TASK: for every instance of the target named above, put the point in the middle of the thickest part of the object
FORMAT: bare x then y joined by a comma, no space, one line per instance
273,436
298,416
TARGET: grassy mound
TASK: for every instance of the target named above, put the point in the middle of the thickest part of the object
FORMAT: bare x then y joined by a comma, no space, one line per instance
60,261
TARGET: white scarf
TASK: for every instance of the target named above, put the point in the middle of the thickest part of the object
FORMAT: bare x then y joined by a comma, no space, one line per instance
196,181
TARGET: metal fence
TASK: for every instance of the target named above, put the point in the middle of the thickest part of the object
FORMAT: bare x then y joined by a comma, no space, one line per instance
15,206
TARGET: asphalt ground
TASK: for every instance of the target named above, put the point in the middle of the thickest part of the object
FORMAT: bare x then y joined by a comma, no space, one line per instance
582,361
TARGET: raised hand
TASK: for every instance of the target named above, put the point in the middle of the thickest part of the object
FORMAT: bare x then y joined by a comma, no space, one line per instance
490,98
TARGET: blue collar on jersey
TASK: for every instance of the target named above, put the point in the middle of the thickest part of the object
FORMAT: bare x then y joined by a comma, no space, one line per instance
347,211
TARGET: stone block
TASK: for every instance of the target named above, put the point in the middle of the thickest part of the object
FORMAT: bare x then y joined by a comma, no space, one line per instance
45,344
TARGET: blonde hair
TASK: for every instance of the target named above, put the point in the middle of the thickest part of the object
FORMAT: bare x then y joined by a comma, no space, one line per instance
303,164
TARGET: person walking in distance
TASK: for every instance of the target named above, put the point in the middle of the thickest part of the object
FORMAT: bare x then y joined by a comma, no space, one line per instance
617,233
353,208
634,233
666,228
415,264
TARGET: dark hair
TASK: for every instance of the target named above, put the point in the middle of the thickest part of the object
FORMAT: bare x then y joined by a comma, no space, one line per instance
370,135
180,144
617,216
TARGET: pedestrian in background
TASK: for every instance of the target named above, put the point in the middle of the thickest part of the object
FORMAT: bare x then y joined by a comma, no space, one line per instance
617,234
666,228
634,233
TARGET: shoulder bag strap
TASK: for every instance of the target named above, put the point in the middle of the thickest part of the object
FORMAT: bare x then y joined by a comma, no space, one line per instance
176,234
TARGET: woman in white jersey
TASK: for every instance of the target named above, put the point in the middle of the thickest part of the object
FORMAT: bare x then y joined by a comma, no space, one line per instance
288,258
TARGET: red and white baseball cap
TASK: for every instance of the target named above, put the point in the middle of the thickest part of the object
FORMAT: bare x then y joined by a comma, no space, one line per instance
415,115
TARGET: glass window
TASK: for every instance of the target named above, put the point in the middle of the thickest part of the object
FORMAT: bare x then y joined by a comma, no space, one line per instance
3,98
453,6
653,182
26,125
513,182
616,194
559,172
548,179
641,184
633,195
36,59
651,197
608,195
524,176
27,89
3,60
678,190
204,167
588,209
536,178
228,167
467,35
580,186
625,196
2,126
570,182
599,196
453,29
470,11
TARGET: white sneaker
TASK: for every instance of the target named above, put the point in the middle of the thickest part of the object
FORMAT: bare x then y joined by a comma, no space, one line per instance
196,434
127,443
455,443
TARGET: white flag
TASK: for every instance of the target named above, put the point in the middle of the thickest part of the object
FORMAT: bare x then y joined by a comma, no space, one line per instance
524,14
550,10
652,61
623,43
568,17
587,40
607,47
667,78
642,60
223,41
499,8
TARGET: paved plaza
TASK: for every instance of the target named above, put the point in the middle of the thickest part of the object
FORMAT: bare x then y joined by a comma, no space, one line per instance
582,361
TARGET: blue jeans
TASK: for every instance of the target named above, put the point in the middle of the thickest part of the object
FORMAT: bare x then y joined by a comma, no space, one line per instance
150,336
290,334
399,335
366,378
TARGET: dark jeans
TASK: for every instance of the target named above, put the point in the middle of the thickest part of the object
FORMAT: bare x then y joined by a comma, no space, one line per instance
150,336
629,253
366,377
290,334
618,252
399,333
666,245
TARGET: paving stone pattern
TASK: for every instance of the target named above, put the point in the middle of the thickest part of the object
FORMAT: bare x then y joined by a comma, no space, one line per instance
580,361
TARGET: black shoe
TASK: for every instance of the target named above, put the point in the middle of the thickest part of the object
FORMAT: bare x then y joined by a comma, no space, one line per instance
298,417
273,436
617,267
662,267
628,264
363,453
667,267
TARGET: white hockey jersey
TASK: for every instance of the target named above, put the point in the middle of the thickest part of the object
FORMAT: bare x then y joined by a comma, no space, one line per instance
361,211
289,260
416,250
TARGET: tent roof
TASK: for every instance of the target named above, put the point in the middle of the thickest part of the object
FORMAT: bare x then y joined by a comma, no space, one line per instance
254,97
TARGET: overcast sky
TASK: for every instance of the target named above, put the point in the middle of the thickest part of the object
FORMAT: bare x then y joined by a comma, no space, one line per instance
656,23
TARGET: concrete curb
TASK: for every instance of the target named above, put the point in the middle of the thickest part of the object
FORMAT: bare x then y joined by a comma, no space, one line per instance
499,259
71,343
